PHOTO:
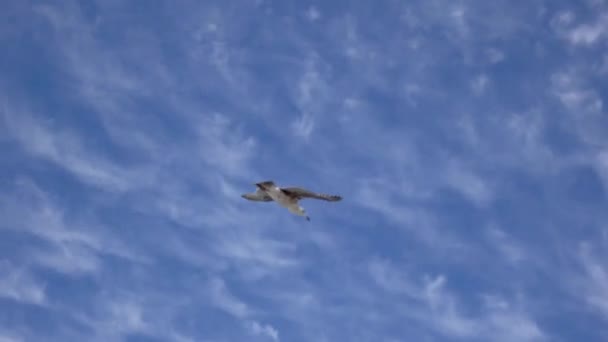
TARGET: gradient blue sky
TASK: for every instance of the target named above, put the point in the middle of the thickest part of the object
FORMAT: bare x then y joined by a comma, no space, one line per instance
469,140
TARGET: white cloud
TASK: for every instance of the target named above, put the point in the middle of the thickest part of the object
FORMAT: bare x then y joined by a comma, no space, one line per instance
582,33
10,337
411,92
601,165
449,313
588,34
264,330
303,126
69,257
470,184
127,317
18,284
64,148
313,14
498,323
223,146
511,326
577,96
114,315
111,89
583,108
479,84
378,197
254,254
310,95
509,141
512,251
494,56
382,272
221,297
564,18
74,244
595,281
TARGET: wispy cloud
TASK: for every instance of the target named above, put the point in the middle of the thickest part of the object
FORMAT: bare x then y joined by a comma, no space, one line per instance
17,284
479,84
508,247
602,165
595,284
575,94
63,148
223,299
431,302
588,34
303,126
8,337
264,330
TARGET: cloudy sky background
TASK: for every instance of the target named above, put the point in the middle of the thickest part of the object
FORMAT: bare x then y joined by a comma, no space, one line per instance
468,139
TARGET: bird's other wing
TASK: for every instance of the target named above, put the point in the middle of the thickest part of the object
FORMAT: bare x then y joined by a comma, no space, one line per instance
300,193
264,184
259,196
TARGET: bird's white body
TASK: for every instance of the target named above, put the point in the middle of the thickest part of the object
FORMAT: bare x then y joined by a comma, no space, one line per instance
288,202
286,197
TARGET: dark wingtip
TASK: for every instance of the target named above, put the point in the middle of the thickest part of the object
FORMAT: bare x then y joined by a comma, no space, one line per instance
263,184
307,218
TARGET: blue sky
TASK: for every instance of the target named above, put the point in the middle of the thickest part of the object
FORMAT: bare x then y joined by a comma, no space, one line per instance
467,138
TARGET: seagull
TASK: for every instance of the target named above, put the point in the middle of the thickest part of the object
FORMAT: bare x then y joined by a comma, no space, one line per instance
268,191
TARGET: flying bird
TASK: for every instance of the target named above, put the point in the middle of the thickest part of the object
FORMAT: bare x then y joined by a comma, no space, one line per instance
289,197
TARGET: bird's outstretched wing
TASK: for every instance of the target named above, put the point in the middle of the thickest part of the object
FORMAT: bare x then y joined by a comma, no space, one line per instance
300,193
258,196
